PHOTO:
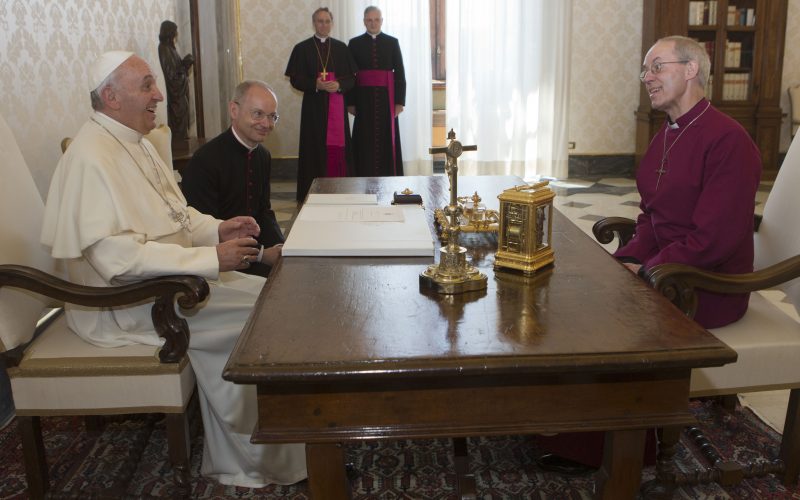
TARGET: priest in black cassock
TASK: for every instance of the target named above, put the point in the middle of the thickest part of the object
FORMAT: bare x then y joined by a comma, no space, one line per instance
230,174
322,68
378,98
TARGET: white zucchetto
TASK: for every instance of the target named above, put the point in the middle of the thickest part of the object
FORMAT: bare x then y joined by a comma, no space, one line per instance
105,65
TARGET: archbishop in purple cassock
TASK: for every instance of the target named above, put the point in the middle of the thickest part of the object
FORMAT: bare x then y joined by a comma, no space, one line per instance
698,182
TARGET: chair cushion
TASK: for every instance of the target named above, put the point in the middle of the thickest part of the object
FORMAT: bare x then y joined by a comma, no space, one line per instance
768,343
21,211
777,238
61,374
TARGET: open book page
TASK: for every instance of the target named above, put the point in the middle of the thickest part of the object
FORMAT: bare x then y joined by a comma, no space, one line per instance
341,199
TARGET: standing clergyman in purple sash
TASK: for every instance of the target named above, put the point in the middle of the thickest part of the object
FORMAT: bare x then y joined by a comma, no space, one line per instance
322,68
377,100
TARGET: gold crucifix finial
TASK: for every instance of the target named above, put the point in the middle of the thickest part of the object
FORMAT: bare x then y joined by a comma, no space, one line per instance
452,274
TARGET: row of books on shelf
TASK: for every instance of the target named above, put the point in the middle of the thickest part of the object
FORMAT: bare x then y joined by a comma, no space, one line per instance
741,17
705,13
733,54
735,87
701,13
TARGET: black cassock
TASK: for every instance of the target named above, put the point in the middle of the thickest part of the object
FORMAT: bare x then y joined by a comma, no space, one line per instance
225,179
305,64
372,133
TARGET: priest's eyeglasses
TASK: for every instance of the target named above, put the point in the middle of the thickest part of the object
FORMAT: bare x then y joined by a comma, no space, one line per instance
657,68
259,116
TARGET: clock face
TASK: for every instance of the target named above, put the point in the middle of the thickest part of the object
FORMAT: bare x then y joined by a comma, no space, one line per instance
454,148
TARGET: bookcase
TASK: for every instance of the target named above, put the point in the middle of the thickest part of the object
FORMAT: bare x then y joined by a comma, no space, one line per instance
744,39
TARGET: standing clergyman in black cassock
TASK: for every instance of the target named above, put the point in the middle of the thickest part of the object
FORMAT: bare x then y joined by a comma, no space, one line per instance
322,68
378,98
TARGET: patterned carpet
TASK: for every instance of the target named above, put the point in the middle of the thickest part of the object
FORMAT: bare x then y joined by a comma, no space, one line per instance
128,459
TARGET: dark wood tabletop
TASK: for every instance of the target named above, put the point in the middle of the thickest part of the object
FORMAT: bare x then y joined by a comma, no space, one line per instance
350,348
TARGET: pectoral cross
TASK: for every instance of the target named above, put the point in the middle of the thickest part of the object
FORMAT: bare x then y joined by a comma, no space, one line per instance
324,75
661,170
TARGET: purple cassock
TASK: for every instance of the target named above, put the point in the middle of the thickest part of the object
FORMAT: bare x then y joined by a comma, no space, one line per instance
698,181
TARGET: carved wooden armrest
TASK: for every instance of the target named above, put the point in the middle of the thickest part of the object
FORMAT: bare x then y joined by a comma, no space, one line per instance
189,290
605,230
678,282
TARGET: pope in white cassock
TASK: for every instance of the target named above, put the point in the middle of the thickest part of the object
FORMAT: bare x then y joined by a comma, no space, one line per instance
115,214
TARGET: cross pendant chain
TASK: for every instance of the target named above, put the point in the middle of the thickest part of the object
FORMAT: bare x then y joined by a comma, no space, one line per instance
665,151
661,170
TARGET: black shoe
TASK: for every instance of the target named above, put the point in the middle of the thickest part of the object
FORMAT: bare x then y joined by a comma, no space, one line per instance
554,463
350,471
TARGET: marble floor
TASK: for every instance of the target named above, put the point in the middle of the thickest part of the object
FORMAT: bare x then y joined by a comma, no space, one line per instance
584,201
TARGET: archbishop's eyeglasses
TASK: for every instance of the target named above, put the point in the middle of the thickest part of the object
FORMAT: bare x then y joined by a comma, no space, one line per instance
657,68
259,116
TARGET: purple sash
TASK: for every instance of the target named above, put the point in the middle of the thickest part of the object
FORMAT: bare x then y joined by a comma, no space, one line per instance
335,135
381,78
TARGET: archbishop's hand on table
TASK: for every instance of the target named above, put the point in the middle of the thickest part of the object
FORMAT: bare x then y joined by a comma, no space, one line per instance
238,227
237,254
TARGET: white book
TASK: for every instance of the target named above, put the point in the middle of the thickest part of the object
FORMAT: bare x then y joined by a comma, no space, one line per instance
359,231
341,199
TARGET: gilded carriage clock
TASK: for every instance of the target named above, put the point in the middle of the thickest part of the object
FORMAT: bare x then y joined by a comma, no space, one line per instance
525,228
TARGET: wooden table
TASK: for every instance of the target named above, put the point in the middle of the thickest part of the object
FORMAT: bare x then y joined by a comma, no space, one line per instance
349,348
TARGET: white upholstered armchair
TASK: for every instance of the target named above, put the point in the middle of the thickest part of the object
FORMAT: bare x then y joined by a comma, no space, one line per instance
766,339
57,373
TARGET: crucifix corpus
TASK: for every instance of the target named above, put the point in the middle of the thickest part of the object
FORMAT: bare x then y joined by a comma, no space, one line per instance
452,274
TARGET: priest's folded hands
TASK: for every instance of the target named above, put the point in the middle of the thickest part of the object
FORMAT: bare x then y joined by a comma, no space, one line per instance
238,247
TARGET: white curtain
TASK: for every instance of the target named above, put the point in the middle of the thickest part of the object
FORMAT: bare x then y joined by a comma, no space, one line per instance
507,85
409,22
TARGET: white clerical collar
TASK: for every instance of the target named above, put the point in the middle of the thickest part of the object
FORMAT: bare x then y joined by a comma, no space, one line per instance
241,141
321,39
673,125
373,36
123,132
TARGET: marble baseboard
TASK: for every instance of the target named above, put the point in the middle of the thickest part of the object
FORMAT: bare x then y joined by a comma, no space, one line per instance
579,166
601,166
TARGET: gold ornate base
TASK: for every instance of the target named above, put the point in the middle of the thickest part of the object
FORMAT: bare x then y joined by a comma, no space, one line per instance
527,265
452,275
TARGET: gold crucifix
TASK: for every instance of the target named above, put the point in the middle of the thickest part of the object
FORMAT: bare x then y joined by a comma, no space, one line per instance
324,75
452,275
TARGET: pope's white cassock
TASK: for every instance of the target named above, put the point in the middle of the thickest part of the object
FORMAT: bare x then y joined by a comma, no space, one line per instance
115,214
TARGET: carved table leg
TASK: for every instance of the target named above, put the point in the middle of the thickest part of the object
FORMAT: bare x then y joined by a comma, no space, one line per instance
664,483
790,444
327,479
33,452
621,473
465,482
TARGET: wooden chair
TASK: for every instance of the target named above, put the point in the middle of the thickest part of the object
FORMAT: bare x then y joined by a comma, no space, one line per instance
57,373
766,339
